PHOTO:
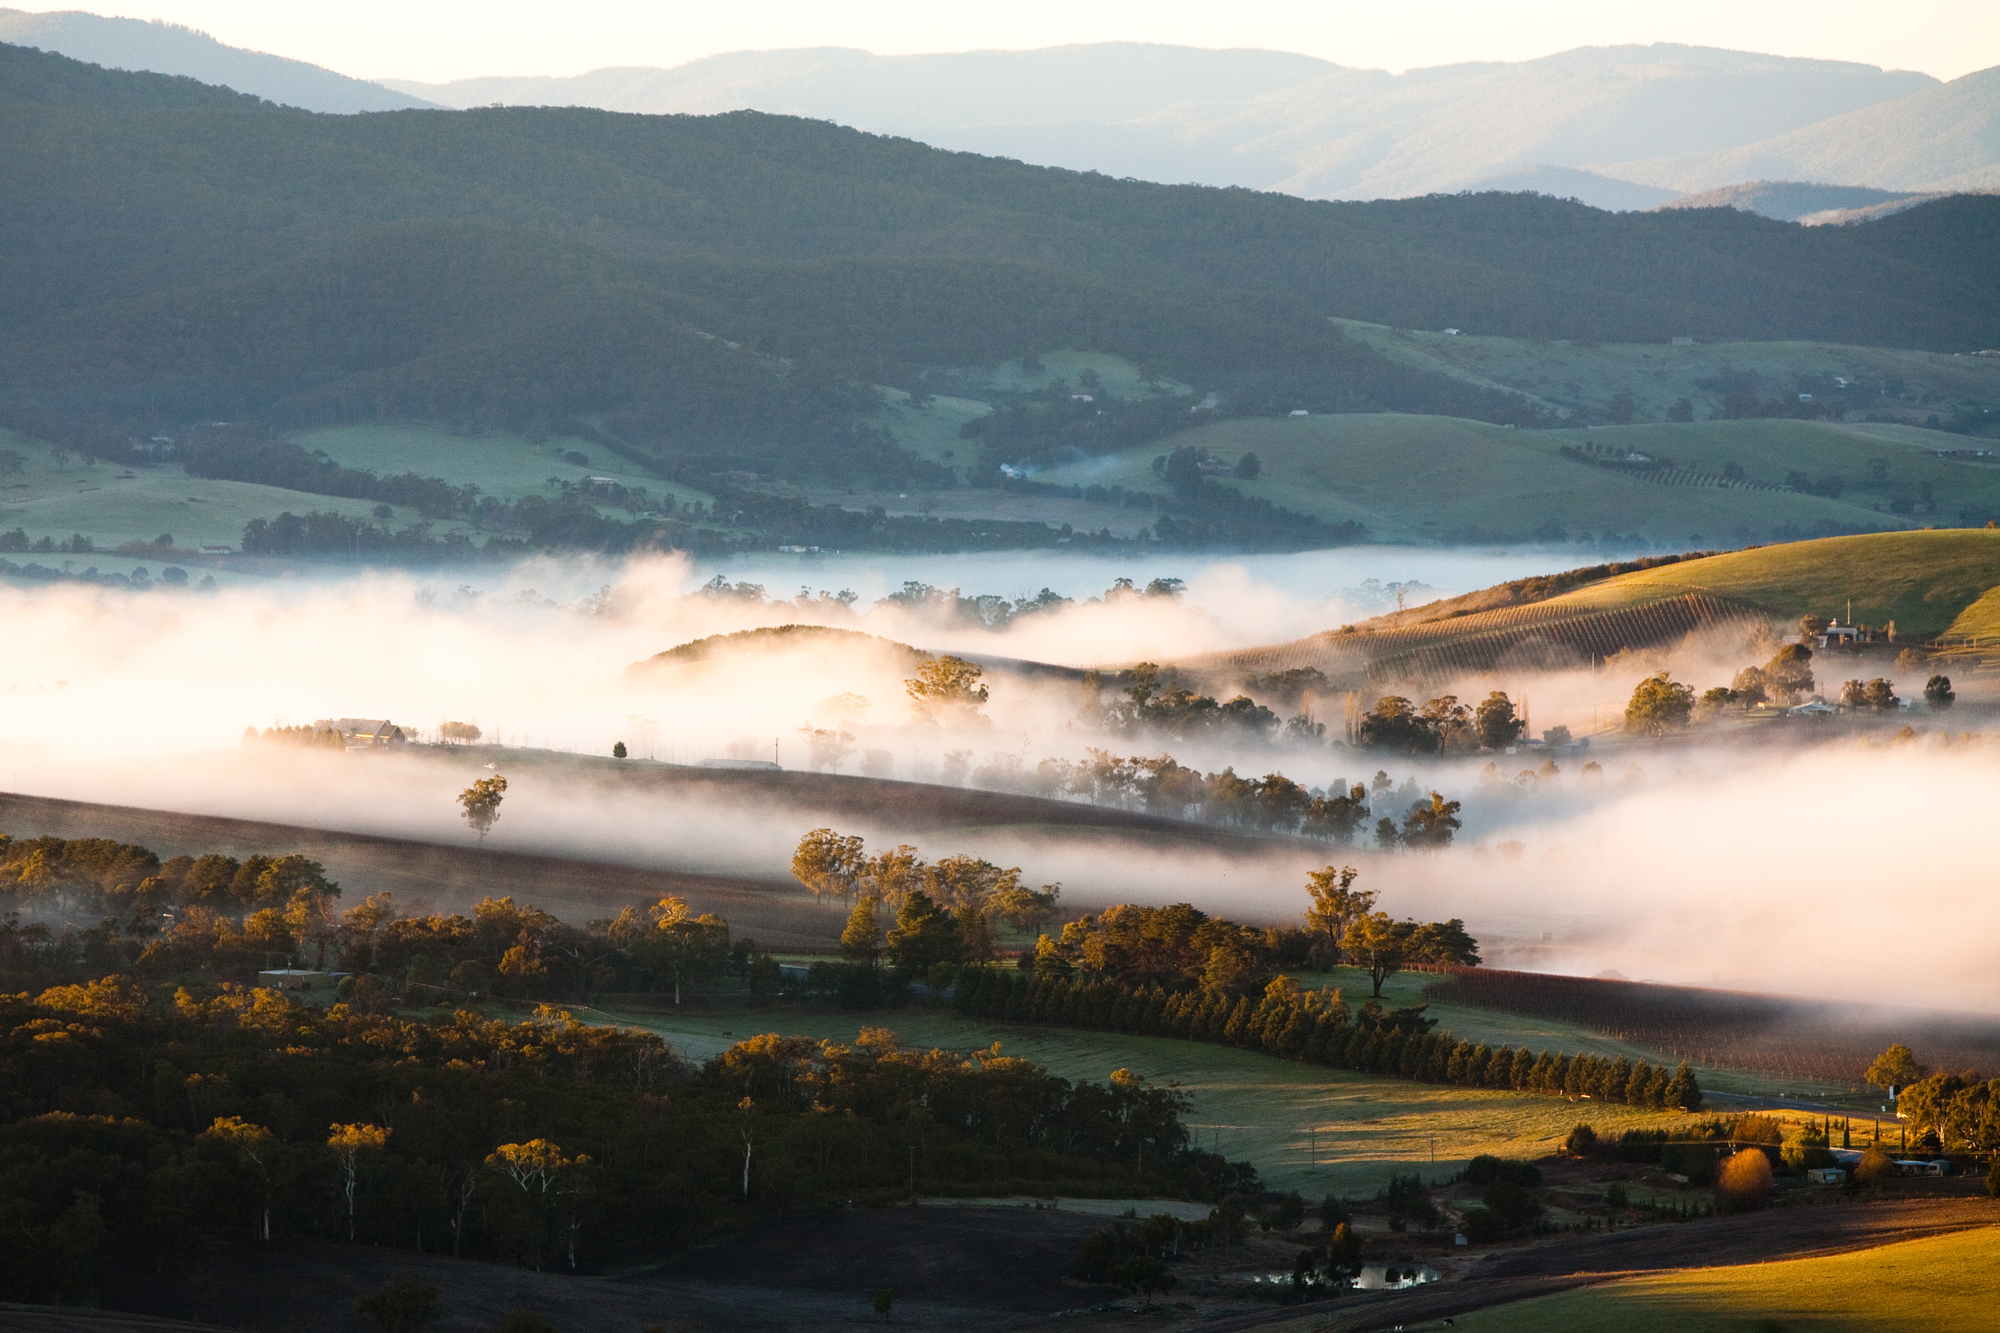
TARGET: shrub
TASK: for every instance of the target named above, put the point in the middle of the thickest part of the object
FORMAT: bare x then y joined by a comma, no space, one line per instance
1744,1182
1485,1169
1582,1141
1874,1167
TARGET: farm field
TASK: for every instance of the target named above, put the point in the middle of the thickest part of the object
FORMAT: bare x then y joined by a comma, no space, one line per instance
1247,1106
1916,1286
1411,477
1585,375
508,466
47,501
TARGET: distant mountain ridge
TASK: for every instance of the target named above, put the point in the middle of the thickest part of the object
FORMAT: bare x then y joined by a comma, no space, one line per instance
1937,140
1620,128
169,48
1266,119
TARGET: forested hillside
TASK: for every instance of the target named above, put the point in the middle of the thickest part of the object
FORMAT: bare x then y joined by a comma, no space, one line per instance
720,291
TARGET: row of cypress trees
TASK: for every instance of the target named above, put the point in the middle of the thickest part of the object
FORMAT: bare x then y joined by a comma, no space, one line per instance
1317,1027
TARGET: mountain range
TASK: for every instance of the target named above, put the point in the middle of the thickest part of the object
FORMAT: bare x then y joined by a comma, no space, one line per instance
1617,127
169,48
1620,128
172,251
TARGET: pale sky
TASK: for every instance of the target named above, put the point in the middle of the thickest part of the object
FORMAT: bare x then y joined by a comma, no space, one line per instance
436,40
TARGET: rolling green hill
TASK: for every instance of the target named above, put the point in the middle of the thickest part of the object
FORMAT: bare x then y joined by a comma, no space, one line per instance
1927,582
1580,378
1922,581
1412,477
718,292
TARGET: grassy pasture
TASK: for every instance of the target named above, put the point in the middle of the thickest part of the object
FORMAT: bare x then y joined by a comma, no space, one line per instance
1981,620
507,466
1585,375
1411,477
1923,581
1943,1282
45,500
1252,1107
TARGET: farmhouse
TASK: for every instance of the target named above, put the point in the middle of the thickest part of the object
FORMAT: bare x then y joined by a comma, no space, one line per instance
360,733
751,765
1837,635
1826,1175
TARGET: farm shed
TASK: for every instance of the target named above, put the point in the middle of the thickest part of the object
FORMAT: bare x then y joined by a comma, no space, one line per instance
303,985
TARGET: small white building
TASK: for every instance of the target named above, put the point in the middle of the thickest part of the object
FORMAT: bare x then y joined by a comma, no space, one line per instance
1826,1175
303,985
748,765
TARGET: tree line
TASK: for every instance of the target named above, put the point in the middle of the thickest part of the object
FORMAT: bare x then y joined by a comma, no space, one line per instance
219,1114
1317,1027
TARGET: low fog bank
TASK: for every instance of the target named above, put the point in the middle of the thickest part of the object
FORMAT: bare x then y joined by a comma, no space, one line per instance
537,655
1778,860
1748,869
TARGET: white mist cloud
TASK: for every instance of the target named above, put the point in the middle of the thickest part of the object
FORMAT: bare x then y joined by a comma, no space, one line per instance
1839,868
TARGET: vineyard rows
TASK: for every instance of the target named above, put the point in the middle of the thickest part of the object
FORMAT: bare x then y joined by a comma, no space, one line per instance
1334,646
1591,635
1763,1033
1680,476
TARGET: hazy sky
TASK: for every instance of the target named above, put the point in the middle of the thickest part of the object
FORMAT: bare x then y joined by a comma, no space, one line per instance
445,39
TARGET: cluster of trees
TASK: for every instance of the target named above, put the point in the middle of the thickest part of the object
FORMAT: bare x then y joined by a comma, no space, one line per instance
943,910
1442,725
217,916
219,1114
1181,946
1162,785
1954,1112
1154,702
1661,704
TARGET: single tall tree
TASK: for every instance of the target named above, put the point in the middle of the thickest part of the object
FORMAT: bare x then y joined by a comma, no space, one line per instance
481,804
861,941
1336,905
1660,704
1379,944
1895,1068
1496,722
947,692
352,1144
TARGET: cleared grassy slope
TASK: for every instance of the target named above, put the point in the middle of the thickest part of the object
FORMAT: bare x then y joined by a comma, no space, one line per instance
44,500
1926,582
1412,477
1921,580
1584,375
499,464
1919,1285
